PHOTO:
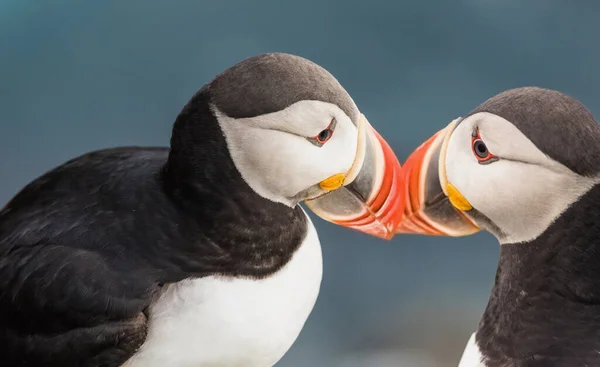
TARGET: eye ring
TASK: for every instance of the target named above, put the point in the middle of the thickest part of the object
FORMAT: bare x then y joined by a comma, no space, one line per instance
480,150
323,137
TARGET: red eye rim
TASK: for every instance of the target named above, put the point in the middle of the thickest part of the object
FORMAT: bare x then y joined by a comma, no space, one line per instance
324,135
480,150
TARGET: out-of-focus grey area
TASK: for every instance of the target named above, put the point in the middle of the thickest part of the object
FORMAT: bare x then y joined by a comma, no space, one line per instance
78,76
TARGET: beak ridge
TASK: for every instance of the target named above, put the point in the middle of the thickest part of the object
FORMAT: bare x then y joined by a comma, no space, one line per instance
434,207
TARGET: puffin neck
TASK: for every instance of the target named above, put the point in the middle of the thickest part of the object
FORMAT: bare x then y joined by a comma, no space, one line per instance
202,180
199,162
545,304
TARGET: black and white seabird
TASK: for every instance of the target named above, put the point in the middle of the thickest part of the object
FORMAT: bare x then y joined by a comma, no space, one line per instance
525,166
198,255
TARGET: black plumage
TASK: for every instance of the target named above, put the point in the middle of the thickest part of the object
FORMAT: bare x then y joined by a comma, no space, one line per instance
544,309
85,248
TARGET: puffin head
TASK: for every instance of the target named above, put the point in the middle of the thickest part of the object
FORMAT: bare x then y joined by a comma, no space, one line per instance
512,166
295,135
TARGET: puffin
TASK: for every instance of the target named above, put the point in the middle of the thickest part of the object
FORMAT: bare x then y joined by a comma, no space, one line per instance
524,166
199,254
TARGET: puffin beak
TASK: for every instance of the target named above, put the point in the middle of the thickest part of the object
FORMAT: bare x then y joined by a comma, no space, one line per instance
433,205
370,196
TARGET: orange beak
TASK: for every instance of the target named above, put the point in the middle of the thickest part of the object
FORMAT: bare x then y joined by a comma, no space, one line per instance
384,199
428,209
373,201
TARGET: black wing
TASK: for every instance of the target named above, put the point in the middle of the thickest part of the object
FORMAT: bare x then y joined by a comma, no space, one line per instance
74,281
65,307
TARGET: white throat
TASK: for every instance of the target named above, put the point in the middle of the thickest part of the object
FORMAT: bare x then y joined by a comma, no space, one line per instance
233,322
472,356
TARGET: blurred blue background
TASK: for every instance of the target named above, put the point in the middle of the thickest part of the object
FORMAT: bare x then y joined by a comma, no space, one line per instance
80,76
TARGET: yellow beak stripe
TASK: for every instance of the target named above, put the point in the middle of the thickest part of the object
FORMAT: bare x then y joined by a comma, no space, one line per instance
332,183
457,199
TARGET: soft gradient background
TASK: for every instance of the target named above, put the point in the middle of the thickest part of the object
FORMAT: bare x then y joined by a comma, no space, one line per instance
80,76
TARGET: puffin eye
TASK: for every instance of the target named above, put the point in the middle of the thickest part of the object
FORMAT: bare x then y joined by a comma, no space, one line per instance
480,150
324,135
321,138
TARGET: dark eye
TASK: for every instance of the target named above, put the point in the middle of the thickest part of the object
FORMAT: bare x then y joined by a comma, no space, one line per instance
480,149
322,137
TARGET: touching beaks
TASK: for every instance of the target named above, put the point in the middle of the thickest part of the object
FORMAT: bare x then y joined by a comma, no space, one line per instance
370,196
433,205
379,197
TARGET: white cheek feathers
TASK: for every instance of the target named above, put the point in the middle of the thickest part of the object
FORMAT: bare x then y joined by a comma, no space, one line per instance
523,192
276,160
339,179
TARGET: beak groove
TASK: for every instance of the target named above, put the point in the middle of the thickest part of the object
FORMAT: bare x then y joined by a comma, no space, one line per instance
414,219
429,209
